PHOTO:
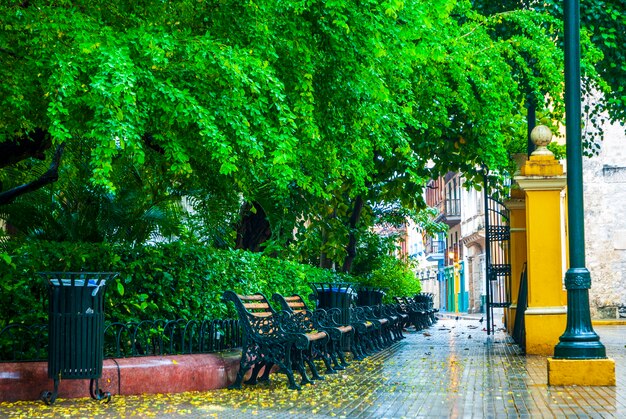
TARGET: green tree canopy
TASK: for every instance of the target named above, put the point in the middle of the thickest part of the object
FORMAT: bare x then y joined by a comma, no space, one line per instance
604,23
309,104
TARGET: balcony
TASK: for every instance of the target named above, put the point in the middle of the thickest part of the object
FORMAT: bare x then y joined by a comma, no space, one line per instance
435,250
473,230
449,211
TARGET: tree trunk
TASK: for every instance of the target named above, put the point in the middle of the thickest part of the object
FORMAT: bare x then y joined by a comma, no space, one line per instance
32,145
352,223
50,176
325,261
254,229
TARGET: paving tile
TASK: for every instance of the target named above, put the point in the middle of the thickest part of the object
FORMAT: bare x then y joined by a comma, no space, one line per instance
444,373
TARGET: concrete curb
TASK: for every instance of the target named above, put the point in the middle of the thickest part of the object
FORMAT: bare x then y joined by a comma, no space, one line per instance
609,322
137,375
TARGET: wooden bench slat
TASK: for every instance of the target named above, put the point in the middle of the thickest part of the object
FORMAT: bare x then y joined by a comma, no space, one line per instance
255,297
263,314
256,305
316,336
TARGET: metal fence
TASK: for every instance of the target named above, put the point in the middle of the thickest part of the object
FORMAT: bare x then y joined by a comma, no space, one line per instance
20,342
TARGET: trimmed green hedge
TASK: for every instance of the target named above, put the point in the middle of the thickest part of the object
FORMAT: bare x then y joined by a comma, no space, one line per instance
173,280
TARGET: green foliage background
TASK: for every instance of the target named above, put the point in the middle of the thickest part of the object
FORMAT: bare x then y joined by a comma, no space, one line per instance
323,112
377,266
395,275
320,111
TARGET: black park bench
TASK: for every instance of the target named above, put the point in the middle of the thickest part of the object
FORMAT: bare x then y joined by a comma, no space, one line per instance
320,319
418,315
274,338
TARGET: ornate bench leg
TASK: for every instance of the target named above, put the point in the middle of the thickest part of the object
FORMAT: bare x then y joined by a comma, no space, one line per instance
239,378
244,365
266,373
315,375
326,356
399,334
359,350
334,354
342,359
301,358
255,372
298,363
291,380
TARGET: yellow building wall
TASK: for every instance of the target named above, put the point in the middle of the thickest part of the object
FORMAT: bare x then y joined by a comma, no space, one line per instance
545,318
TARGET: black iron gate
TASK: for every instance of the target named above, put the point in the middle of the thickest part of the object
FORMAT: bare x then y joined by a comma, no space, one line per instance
497,256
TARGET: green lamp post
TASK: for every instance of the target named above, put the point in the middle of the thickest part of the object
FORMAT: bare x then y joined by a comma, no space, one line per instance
579,341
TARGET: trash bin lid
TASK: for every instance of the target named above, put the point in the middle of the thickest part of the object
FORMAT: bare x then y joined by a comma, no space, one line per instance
78,282
95,280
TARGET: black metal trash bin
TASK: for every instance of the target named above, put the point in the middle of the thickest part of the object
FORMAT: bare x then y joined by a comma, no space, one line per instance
370,296
335,295
76,328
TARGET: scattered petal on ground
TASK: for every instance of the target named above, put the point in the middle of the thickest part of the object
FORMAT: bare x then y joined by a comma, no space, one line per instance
442,377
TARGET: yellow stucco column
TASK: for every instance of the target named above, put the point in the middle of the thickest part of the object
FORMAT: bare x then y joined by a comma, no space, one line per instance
542,181
517,222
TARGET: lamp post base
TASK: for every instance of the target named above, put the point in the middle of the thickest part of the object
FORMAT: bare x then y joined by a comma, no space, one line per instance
579,341
580,348
581,372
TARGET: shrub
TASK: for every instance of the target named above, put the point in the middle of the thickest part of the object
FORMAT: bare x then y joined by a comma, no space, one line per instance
172,280
395,275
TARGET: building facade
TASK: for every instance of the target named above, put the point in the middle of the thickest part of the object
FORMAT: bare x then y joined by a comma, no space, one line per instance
604,178
448,260
473,241
457,259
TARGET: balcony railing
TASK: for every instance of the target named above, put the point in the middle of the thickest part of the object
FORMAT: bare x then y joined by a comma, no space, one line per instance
453,208
435,249
449,211
435,246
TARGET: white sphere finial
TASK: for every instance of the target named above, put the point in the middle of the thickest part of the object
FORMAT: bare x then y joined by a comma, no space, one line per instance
541,136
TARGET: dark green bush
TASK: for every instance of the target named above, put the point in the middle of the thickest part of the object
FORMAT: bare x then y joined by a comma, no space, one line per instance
173,280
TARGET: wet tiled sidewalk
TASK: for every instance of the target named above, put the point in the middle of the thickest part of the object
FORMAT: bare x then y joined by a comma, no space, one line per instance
452,369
